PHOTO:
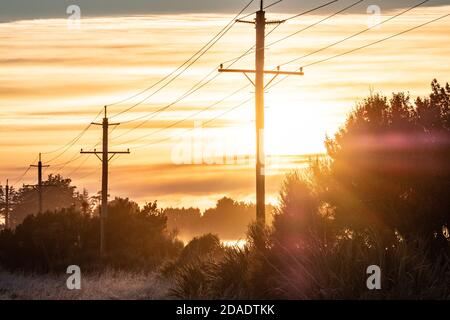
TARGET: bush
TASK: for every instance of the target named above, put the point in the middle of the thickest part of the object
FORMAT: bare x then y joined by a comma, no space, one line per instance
50,241
390,166
197,251
135,239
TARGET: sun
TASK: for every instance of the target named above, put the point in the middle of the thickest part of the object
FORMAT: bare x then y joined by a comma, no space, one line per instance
294,125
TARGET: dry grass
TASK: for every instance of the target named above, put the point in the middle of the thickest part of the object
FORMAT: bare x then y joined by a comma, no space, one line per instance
106,286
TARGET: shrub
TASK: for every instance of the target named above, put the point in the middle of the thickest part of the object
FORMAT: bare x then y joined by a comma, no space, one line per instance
135,239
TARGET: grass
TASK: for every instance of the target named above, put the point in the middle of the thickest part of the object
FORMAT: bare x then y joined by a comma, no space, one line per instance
256,271
109,285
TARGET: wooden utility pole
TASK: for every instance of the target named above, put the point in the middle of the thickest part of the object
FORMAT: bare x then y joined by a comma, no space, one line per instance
6,206
260,22
39,185
7,224
105,158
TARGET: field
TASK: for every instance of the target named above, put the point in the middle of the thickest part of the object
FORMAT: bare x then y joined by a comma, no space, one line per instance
110,285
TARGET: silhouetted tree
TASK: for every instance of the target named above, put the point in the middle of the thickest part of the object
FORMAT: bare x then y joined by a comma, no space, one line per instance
58,193
229,219
390,167
301,214
187,222
51,241
138,237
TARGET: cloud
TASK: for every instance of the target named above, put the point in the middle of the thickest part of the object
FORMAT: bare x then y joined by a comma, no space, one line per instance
25,9
171,182
54,81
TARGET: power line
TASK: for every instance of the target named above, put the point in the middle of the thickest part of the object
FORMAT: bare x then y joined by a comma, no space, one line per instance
233,61
60,166
365,46
215,39
251,50
315,23
193,59
150,116
190,129
190,116
196,87
78,168
67,146
376,42
193,89
342,40
21,176
356,34
311,10
82,163
77,156
89,173
159,89
71,142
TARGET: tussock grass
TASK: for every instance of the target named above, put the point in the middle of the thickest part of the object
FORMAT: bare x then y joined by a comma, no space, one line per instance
315,272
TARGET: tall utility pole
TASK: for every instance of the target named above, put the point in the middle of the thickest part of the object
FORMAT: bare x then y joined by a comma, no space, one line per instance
260,22
6,206
105,158
39,185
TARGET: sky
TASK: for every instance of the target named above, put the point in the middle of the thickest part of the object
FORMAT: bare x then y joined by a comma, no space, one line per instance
56,74
38,9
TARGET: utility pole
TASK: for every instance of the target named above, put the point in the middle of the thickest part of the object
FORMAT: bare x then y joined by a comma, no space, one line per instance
105,158
39,185
260,22
6,206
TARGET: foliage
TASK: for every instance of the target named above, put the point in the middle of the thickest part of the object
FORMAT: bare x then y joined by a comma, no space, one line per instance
57,193
198,250
135,239
390,165
229,219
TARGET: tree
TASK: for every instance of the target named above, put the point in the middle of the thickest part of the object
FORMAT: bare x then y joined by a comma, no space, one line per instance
57,193
390,167
51,241
229,219
301,214
138,237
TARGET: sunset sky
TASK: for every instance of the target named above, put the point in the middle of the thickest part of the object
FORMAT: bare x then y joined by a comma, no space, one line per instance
55,78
